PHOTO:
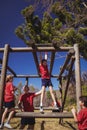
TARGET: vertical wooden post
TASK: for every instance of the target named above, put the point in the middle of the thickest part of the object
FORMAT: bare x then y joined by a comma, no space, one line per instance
77,74
60,89
3,75
61,98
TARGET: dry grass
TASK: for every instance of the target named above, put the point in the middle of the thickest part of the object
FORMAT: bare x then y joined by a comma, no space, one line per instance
47,124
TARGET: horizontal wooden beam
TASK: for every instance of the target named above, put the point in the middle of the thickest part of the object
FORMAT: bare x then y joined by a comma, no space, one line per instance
38,49
44,115
45,108
32,76
38,108
27,76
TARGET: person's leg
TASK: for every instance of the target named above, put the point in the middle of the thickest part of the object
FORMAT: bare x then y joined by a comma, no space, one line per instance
54,99
42,98
52,94
30,127
42,95
3,117
21,127
8,120
10,116
31,122
23,122
49,83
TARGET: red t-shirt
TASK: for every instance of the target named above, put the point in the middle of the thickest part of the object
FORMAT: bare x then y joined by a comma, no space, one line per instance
82,119
27,100
44,72
8,93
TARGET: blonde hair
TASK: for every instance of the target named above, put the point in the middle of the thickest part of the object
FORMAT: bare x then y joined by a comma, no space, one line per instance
8,77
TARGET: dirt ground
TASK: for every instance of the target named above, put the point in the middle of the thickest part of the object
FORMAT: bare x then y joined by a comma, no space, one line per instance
46,124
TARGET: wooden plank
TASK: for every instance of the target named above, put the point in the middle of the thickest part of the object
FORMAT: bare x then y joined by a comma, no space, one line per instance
31,76
45,108
42,49
44,115
39,49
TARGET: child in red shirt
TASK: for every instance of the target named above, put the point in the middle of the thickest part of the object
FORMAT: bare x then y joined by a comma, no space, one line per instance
46,81
8,101
26,104
81,116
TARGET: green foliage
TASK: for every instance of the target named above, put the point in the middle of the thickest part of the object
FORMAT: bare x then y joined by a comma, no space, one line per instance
48,94
28,11
65,24
84,90
83,31
19,32
70,102
57,24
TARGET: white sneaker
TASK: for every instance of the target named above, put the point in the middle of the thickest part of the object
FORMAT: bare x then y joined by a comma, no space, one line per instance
56,107
1,126
7,125
41,109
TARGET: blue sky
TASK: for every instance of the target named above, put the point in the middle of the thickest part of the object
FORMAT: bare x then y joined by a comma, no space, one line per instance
23,63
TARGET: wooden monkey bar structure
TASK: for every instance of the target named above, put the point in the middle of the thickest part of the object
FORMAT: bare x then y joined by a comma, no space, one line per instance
72,56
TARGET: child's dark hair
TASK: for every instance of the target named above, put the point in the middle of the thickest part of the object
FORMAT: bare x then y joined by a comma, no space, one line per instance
84,100
43,60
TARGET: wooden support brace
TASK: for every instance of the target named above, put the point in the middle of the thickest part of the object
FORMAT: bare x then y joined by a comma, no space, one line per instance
8,68
71,52
68,81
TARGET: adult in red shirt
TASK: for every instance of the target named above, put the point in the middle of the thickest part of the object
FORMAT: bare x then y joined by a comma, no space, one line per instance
8,101
81,116
46,81
26,104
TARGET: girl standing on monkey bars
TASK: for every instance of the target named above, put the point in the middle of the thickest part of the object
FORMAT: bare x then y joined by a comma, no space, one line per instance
46,81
